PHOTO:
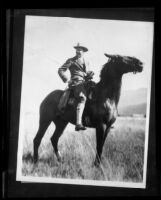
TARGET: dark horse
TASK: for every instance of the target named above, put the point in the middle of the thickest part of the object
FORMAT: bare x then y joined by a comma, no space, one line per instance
101,110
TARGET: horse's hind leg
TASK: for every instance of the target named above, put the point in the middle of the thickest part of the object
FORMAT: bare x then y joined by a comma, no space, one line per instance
60,126
37,140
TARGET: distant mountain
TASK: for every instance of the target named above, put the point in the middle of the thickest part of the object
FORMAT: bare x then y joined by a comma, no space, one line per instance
133,109
133,102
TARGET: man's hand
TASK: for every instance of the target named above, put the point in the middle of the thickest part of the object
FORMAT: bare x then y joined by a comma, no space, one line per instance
90,74
69,82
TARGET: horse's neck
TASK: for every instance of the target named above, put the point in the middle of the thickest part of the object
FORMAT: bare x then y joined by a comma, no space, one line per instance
110,89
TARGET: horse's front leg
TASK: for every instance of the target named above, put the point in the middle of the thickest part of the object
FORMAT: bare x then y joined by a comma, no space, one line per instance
100,133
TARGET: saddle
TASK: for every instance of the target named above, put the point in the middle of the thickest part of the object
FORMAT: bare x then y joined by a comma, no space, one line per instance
68,97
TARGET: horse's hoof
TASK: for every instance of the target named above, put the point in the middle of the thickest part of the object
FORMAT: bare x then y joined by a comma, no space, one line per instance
96,163
58,155
35,159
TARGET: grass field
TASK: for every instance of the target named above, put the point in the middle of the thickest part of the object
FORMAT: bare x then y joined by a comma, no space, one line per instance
122,158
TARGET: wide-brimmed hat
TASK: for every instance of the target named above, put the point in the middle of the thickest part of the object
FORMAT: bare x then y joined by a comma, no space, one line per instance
81,47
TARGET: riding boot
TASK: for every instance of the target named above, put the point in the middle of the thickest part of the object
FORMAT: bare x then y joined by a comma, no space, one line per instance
79,114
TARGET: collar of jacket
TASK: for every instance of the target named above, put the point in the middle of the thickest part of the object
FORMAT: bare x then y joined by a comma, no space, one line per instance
76,61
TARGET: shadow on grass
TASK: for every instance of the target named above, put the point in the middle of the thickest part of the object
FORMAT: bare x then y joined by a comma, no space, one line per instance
27,157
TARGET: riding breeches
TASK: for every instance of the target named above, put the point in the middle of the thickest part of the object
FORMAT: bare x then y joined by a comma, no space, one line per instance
80,94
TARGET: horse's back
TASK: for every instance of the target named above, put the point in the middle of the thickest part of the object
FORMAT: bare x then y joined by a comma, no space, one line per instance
52,97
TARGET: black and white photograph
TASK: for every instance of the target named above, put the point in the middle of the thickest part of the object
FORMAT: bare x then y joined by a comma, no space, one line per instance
85,101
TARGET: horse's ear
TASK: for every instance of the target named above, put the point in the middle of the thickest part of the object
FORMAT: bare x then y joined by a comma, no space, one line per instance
108,56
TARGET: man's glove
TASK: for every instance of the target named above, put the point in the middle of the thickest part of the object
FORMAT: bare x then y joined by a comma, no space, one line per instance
69,82
90,75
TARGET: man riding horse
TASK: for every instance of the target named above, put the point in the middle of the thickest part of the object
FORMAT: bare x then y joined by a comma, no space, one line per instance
79,70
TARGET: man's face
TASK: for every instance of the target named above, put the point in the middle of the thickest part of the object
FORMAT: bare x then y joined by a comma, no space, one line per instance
79,52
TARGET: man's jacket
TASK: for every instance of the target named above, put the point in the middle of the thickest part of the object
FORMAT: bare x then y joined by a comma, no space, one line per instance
77,70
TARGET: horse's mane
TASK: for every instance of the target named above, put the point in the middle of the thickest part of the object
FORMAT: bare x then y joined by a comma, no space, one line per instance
104,71
111,79
107,71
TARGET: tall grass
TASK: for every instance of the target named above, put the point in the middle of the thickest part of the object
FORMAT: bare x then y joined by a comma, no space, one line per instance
122,157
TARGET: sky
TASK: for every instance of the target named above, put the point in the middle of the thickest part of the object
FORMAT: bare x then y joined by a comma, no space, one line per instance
49,43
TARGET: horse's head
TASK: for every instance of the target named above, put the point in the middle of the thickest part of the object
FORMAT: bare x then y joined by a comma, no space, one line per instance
124,64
